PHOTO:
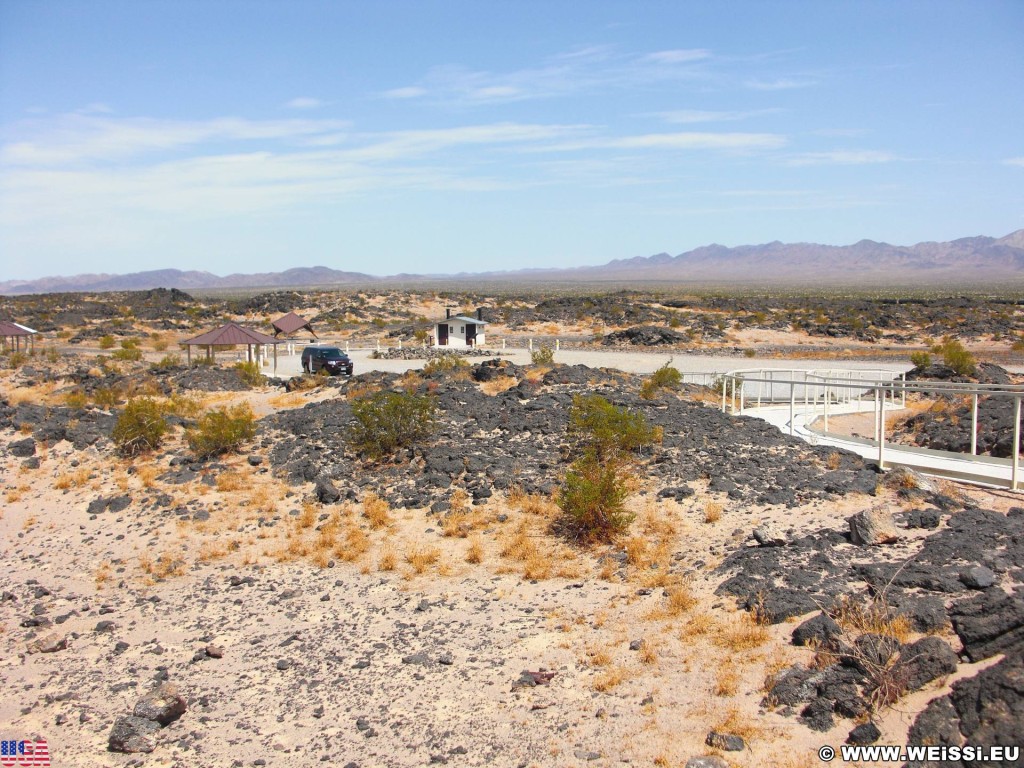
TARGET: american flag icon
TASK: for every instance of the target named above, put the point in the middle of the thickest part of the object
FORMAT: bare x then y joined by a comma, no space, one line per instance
30,754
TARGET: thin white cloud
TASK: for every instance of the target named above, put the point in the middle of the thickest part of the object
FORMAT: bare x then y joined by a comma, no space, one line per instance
678,56
741,142
409,92
780,84
1018,161
497,92
77,178
73,139
844,157
595,67
304,102
688,116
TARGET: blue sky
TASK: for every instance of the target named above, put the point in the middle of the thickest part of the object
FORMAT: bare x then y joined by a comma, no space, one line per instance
389,137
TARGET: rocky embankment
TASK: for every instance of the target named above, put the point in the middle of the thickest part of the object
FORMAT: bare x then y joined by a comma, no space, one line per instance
517,437
966,576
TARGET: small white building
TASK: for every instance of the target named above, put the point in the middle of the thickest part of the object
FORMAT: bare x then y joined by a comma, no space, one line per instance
460,331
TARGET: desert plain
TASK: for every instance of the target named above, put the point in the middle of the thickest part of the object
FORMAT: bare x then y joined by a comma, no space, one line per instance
293,601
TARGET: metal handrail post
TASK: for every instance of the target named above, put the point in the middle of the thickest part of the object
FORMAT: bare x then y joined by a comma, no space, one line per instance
792,404
827,395
974,424
1016,443
725,388
903,386
881,434
877,405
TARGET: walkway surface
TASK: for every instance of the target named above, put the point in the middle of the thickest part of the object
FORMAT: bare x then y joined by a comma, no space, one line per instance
982,470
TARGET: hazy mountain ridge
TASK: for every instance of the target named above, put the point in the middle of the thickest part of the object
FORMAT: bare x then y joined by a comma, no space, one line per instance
978,259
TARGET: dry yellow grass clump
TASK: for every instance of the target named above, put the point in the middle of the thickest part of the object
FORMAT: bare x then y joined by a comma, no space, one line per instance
421,558
376,511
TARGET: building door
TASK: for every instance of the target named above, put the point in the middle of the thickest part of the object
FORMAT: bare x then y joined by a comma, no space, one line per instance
442,335
471,335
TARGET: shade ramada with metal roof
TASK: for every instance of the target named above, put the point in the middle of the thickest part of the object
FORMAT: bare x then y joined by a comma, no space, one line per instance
15,329
291,323
231,333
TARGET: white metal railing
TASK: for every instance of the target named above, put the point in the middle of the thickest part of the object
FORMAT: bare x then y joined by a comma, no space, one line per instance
849,390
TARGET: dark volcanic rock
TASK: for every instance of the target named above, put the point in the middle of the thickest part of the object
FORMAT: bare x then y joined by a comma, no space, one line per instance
22,448
991,623
816,631
928,659
987,709
132,735
866,733
646,336
518,437
162,705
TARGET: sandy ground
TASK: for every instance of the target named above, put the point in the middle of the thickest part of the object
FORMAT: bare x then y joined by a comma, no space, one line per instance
390,644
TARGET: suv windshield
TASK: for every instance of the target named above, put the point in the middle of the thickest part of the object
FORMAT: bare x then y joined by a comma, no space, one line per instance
331,352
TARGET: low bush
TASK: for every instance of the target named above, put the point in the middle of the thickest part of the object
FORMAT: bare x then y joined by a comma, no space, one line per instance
127,353
664,378
17,359
592,499
140,427
956,356
543,355
446,363
250,374
387,421
168,361
920,359
106,342
596,426
222,430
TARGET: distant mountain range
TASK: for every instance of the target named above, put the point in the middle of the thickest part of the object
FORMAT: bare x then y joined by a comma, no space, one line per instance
974,260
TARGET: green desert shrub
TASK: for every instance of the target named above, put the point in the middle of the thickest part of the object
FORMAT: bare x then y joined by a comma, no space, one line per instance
140,427
596,426
249,373
446,363
106,342
920,359
543,355
222,430
127,353
956,356
168,361
592,499
17,359
387,421
665,377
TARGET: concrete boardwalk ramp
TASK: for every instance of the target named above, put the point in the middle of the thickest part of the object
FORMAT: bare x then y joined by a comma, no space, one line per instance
807,424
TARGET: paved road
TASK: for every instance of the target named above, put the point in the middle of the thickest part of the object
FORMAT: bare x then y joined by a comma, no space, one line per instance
629,361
